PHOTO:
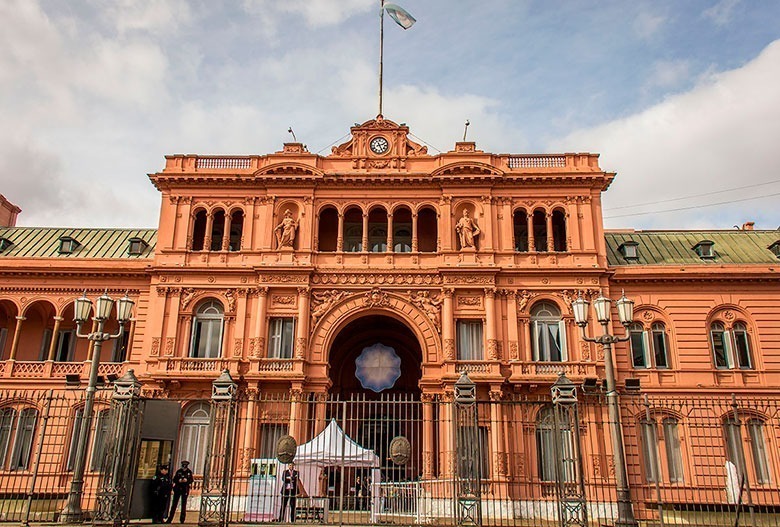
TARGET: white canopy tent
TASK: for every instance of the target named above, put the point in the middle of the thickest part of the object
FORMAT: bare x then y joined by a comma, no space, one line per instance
333,448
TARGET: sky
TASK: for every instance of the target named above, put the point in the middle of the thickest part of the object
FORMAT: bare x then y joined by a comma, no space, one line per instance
681,99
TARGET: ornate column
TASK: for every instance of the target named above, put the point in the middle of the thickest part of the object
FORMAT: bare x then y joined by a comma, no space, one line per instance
486,224
53,344
511,320
209,227
507,226
364,240
550,239
250,425
226,232
427,435
17,333
446,228
496,433
340,236
302,325
240,326
448,325
389,233
490,324
529,218
258,349
446,435
414,233
296,398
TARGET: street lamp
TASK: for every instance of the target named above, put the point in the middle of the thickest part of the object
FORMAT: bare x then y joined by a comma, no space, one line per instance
625,309
102,311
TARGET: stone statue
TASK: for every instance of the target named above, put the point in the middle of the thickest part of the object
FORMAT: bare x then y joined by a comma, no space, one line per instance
467,230
285,231
431,306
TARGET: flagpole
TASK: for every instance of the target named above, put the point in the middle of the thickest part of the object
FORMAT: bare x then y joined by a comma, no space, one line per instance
381,48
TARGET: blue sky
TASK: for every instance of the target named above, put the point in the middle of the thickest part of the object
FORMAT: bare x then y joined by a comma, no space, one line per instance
680,98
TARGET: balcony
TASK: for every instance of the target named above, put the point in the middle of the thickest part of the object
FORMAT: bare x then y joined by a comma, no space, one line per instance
57,370
536,371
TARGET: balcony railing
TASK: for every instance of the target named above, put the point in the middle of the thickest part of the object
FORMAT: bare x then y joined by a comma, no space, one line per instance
56,370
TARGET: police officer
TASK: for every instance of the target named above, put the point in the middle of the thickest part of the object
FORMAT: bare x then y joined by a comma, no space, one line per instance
161,493
182,481
291,483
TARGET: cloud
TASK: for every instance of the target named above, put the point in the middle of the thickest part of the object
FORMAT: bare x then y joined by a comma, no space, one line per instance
316,13
721,134
721,13
648,24
669,73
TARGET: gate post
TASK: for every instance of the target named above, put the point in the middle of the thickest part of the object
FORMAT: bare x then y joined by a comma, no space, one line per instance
214,496
572,508
119,456
468,487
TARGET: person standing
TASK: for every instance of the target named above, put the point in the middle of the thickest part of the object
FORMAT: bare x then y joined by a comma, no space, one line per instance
291,485
161,493
182,481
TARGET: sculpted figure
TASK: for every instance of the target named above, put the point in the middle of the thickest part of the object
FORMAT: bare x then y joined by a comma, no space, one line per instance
467,230
285,231
323,302
431,306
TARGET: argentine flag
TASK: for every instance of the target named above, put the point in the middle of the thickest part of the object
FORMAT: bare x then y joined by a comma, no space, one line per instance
400,15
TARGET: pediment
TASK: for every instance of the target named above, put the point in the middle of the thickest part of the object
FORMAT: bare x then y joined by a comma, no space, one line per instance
461,168
289,169
390,141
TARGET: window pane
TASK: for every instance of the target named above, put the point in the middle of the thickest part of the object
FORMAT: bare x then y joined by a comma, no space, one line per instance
673,452
269,435
100,439
742,343
194,435
720,347
469,340
638,352
25,431
758,446
281,338
734,451
78,420
650,450
7,418
659,346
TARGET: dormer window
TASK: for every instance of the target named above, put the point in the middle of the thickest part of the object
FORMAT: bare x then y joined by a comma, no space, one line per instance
68,245
629,250
775,248
5,243
705,249
136,246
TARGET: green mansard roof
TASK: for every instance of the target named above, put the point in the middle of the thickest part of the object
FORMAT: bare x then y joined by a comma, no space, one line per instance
43,242
676,247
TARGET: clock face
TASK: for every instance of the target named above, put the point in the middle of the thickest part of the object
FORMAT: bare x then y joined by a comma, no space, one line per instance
379,145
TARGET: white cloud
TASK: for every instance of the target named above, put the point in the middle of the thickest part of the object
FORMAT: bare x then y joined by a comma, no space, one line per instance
669,73
316,13
721,12
145,15
721,134
647,24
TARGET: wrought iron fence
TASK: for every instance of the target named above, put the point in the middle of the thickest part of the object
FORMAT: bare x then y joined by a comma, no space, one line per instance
694,460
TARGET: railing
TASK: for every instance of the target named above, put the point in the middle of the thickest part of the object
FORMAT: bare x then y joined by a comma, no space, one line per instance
61,369
223,162
190,364
275,365
542,161
28,369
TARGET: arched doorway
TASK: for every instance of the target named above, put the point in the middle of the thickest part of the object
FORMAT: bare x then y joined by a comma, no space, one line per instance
372,416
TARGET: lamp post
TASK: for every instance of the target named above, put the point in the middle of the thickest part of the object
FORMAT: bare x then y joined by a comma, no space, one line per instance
81,311
625,309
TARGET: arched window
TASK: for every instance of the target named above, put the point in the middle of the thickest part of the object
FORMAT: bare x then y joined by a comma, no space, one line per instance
755,428
17,432
520,224
353,230
402,230
199,230
545,447
236,230
670,446
540,231
648,348
731,348
207,325
427,230
328,230
559,230
377,230
217,229
549,336
194,435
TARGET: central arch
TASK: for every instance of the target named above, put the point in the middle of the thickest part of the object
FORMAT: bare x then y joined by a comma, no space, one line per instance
366,333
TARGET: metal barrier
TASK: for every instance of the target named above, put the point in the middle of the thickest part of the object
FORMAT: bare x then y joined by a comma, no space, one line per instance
694,460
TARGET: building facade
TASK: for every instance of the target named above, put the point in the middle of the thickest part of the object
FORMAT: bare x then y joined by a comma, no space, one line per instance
298,272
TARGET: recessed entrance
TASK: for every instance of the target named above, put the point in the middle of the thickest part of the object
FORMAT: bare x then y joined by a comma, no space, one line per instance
366,333
373,418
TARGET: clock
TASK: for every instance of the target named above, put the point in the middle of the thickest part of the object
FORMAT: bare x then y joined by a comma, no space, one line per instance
379,145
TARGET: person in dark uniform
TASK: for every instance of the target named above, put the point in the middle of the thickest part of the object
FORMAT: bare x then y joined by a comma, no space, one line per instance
161,493
182,481
291,485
